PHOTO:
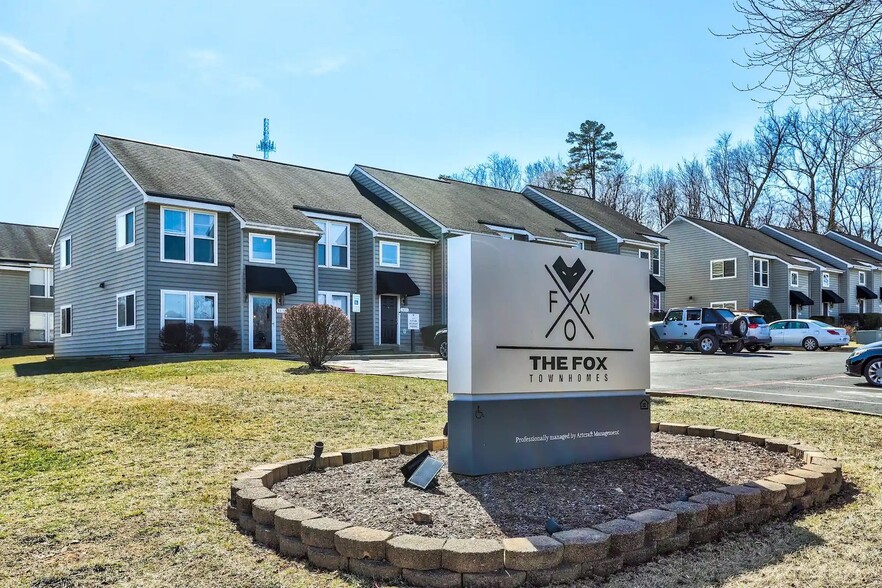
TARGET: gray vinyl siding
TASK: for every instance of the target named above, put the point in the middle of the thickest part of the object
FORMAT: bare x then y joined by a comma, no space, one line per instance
236,313
688,263
406,209
297,256
162,275
805,288
817,291
102,192
366,321
760,293
14,293
630,250
416,262
344,280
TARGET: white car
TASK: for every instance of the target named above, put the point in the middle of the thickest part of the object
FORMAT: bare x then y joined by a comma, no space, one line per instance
808,334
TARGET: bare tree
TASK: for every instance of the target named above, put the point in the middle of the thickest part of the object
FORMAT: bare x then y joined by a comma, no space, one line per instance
620,189
806,144
498,171
693,185
545,172
817,48
661,193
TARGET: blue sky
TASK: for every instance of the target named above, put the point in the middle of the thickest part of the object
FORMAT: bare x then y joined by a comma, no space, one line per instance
425,88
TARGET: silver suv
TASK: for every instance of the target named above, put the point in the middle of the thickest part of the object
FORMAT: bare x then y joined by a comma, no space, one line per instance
758,334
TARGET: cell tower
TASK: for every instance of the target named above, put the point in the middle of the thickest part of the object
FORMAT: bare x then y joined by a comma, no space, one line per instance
265,145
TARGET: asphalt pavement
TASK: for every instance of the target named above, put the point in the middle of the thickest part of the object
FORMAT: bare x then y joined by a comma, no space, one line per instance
814,379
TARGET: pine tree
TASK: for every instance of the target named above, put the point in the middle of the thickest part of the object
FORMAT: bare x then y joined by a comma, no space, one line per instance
593,151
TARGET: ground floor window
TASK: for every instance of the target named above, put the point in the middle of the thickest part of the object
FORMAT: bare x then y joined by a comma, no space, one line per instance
655,302
42,329
125,311
66,321
338,299
730,304
199,308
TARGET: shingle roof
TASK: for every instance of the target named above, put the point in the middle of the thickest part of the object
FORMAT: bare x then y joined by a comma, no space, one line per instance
600,214
869,244
263,192
828,245
469,207
26,243
757,241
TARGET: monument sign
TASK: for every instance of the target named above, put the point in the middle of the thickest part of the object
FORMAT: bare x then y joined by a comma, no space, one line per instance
548,355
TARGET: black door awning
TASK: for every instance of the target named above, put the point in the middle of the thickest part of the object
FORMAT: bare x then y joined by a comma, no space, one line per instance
866,293
655,284
797,298
396,283
271,280
831,296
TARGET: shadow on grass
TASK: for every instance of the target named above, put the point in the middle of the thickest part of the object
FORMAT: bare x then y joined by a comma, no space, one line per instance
87,365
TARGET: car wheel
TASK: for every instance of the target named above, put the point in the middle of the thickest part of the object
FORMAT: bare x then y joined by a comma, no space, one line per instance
752,348
873,372
810,344
740,326
730,348
707,344
827,348
665,347
442,350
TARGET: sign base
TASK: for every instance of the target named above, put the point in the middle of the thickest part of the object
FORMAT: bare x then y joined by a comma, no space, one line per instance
487,435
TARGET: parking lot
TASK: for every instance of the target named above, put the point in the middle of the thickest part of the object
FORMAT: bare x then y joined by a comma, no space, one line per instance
814,379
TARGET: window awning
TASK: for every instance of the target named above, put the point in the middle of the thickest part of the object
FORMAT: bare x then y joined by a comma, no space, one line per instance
831,296
864,292
797,298
396,283
271,280
655,284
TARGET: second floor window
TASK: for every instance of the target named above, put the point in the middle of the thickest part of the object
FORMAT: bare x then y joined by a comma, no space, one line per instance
263,248
125,229
654,258
761,273
862,278
825,280
390,254
66,253
332,249
723,268
42,282
189,236
794,279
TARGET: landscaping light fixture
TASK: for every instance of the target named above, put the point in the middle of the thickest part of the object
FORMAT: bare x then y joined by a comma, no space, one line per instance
552,526
422,471
316,454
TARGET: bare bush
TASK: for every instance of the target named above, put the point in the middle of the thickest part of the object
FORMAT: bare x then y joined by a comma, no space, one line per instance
316,332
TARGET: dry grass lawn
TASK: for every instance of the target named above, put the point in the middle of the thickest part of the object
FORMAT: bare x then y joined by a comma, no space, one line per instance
116,473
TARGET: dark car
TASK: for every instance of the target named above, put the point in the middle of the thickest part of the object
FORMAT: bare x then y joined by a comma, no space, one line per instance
866,361
441,342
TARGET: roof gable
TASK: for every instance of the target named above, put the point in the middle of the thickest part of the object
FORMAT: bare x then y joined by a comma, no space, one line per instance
827,245
26,243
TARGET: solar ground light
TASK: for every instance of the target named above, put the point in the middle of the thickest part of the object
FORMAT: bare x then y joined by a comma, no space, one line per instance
422,471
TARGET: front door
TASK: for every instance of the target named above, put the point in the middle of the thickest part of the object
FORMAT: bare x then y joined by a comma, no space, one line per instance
263,322
388,320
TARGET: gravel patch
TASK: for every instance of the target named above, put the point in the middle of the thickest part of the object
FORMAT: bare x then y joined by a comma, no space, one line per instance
372,494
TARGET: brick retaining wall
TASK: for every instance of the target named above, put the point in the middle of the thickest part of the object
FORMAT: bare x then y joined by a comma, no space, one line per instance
540,560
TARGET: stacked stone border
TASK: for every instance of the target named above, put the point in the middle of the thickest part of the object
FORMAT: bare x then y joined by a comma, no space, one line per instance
540,560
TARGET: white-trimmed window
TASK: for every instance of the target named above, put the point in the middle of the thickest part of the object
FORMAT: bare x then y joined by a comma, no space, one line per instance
794,279
188,236
332,249
125,229
66,253
125,311
579,245
862,278
761,273
722,269
66,320
180,306
42,282
42,327
652,257
825,280
390,254
655,301
338,299
755,302
261,248
730,304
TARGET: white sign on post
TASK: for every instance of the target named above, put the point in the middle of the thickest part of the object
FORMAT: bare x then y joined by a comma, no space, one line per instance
413,322
534,319
356,303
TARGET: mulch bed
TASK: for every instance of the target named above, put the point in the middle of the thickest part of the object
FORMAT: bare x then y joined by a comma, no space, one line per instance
513,504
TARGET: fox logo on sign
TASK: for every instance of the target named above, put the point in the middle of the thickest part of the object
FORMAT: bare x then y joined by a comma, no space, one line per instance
567,300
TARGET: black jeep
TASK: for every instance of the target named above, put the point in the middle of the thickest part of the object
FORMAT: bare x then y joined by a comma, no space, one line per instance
702,329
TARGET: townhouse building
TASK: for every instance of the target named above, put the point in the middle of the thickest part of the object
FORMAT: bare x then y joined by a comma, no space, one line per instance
27,285
859,274
613,232
154,235
723,265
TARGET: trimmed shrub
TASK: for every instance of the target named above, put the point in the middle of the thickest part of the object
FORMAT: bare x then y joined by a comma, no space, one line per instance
657,316
868,321
180,338
427,334
222,338
316,332
768,310
830,320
